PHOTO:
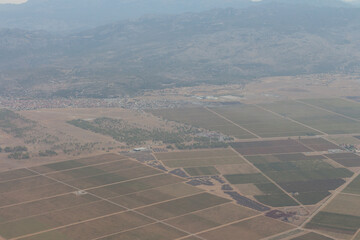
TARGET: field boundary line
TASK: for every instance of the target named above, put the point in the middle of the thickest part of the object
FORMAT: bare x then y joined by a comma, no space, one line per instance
349,194
357,232
237,125
155,157
127,210
272,181
349,100
327,110
110,184
290,119
224,225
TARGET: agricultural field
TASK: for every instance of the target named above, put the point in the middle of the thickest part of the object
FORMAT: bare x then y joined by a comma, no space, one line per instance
114,197
341,106
318,144
270,147
263,123
322,120
251,229
309,179
201,158
312,236
346,159
203,118
277,177
341,215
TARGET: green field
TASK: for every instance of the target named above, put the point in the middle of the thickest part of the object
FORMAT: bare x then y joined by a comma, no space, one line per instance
316,118
276,200
353,187
310,198
341,222
246,178
345,204
341,106
308,178
305,175
202,171
202,118
311,236
263,123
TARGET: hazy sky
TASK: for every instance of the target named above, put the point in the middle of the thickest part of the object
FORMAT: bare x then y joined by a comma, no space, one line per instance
22,1
13,1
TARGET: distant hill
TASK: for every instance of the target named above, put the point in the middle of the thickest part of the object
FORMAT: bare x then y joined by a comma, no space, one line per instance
70,15
217,46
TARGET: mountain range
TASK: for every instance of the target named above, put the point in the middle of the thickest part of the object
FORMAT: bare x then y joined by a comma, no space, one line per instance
168,48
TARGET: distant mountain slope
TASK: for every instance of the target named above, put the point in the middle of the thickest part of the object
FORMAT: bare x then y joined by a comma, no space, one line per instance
65,15
70,15
217,46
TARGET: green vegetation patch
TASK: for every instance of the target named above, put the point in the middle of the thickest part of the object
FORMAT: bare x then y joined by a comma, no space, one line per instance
182,137
203,118
337,105
322,120
246,178
293,166
283,158
311,236
14,124
276,200
335,221
262,122
64,165
202,171
124,132
353,187
310,198
269,188
306,175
